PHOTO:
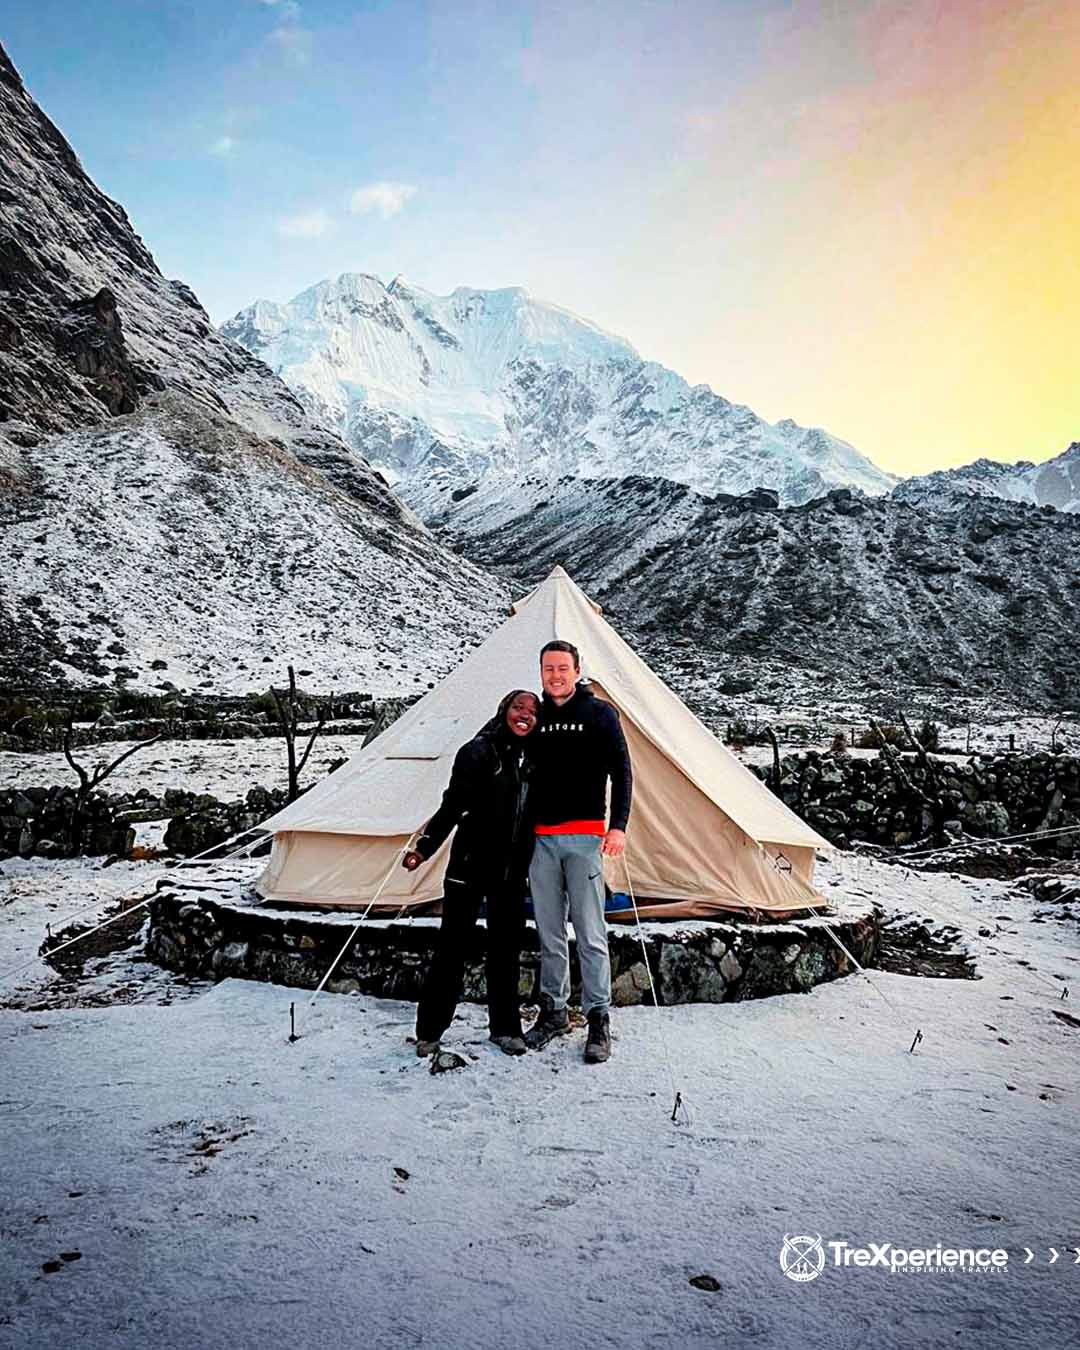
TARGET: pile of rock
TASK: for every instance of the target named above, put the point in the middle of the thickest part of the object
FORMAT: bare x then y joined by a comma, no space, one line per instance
897,799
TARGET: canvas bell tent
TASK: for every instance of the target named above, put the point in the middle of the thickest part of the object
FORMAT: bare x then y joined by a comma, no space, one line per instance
705,834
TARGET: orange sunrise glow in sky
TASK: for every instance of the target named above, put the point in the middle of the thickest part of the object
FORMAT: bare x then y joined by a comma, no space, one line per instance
861,214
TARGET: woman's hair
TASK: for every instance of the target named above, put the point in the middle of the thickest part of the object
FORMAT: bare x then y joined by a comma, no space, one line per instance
498,722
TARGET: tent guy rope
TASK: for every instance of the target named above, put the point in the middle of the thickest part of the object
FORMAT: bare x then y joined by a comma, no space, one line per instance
678,1099
786,878
128,909
293,1033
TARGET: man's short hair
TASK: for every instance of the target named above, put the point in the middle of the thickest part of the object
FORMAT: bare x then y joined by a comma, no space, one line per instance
558,645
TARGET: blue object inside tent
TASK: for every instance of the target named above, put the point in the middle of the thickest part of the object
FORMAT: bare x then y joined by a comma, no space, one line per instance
613,904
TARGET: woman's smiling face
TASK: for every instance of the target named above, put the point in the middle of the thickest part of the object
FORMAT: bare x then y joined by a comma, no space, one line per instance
522,714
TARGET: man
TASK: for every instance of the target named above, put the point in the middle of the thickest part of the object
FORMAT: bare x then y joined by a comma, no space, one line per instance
577,748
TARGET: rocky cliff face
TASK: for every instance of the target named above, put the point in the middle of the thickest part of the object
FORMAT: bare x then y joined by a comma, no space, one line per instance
171,514
972,594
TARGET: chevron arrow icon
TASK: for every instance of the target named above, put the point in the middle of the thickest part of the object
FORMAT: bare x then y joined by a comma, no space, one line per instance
1030,1256
1055,1255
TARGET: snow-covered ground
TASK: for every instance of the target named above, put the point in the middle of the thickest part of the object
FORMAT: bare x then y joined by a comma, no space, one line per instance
222,1186
225,769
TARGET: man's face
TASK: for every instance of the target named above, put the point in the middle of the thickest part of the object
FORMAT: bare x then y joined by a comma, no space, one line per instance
558,675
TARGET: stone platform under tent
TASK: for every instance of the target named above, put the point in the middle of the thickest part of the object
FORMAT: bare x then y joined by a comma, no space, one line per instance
220,935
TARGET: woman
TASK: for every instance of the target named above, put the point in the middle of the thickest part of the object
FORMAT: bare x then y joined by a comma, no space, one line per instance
486,799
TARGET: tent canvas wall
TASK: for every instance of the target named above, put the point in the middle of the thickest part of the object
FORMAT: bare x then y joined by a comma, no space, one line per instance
705,835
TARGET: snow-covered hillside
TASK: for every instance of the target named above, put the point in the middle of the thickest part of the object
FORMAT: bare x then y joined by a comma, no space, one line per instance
171,515
171,548
954,593
442,391
1055,482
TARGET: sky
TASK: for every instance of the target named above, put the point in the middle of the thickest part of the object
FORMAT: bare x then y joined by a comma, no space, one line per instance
862,215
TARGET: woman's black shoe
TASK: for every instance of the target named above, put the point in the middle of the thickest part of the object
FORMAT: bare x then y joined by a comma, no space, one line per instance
552,1022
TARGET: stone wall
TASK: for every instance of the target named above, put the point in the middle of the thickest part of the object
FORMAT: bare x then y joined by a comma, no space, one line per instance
897,799
202,821
39,820
35,719
693,962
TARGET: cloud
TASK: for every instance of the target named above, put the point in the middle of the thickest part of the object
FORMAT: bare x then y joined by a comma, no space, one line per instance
223,147
290,39
306,225
293,42
386,198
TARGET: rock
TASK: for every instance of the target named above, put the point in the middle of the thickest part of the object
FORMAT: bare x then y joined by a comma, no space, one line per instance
345,986
729,967
989,819
709,1283
810,968
20,806
688,975
48,848
830,774
628,988
444,1061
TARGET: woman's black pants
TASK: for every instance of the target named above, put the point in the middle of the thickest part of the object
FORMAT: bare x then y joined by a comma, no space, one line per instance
445,975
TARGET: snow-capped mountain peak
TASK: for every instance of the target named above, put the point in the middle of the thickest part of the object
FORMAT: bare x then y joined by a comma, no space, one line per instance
1055,482
439,391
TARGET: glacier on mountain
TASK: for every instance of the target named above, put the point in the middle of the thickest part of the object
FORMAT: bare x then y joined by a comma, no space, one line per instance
439,392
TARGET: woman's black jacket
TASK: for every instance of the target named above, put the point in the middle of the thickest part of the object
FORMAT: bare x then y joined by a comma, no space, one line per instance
487,798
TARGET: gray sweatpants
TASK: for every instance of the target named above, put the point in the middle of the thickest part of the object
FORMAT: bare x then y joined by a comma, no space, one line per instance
566,877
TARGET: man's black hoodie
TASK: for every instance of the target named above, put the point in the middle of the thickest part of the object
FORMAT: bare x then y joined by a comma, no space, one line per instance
576,748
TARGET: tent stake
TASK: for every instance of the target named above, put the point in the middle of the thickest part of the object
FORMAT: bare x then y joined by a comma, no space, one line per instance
915,1042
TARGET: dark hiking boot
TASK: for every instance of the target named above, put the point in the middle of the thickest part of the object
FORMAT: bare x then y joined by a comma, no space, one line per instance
552,1022
510,1045
598,1042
